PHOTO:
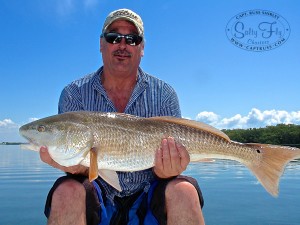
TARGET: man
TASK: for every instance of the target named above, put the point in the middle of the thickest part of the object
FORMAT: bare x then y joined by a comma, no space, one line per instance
153,196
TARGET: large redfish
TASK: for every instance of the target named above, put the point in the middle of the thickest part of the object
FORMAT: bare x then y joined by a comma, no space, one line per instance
109,142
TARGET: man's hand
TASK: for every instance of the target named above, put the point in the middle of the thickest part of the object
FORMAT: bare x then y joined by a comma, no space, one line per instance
78,169
171,159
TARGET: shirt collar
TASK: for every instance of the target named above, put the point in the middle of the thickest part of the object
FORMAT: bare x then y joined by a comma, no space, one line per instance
141,85
141,80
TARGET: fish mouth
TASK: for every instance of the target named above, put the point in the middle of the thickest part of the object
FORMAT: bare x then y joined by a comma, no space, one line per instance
30,146
30,141
27,134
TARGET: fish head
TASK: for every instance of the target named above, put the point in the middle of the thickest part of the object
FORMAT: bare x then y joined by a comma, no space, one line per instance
67,141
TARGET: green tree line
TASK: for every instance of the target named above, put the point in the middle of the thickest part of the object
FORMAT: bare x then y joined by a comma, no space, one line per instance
280,134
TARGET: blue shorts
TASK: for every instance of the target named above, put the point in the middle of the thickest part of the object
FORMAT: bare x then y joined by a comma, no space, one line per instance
139,208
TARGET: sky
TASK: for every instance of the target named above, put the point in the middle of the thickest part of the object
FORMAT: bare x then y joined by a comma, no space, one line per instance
44,45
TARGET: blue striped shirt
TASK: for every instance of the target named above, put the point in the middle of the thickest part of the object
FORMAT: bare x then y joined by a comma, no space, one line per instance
151,97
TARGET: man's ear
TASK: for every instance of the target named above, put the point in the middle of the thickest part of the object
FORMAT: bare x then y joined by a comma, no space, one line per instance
142,51
100,44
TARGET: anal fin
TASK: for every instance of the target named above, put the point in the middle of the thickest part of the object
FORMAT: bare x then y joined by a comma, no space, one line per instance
111,177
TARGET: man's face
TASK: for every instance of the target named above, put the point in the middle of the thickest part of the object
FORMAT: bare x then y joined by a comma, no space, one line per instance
121,57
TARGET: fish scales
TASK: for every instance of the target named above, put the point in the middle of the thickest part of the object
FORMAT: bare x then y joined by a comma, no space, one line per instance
129,139
128,143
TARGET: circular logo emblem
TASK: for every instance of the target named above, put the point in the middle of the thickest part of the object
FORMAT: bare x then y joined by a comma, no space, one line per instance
258,30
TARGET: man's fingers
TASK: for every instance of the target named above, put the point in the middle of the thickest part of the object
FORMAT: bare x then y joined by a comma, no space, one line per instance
45,157
175,156
166,154
159,159
184,156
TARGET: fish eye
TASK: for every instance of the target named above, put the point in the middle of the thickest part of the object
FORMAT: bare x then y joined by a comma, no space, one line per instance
41,128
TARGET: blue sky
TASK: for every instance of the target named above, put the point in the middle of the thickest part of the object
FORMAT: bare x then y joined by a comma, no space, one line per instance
44,45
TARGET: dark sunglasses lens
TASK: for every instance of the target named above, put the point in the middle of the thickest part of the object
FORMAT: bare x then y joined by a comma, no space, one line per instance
133,39
112,38
130,39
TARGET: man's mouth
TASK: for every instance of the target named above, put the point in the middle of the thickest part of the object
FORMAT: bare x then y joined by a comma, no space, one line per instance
122,54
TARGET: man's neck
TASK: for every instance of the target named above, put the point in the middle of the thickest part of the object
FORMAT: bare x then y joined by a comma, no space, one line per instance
119,88
118,81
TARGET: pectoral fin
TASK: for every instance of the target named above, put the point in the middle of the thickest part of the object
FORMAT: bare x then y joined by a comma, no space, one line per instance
111,177
93,170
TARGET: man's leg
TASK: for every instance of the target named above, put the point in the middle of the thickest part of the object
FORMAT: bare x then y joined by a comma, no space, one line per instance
68,204
182,204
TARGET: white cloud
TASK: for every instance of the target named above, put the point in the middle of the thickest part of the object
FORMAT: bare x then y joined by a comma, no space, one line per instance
255,118
207,117
9,130
7,123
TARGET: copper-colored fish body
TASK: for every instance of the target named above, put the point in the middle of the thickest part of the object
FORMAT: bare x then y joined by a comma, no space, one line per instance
128,143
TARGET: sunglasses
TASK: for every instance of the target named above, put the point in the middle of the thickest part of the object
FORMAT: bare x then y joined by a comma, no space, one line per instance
116,38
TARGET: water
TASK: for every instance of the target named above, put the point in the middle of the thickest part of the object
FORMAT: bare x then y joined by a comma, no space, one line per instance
232,195
24,185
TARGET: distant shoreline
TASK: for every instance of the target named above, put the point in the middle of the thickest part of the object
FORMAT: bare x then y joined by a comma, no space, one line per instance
11,143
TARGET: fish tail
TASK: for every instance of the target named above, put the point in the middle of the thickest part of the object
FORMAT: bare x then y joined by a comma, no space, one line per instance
272,164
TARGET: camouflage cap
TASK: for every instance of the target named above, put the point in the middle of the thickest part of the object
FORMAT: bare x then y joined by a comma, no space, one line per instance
125,14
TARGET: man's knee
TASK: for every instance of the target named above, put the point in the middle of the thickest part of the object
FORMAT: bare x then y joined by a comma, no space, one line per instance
182,198
69,190
68,204
182,191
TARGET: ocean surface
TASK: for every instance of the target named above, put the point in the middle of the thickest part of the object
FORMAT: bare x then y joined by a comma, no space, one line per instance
232,195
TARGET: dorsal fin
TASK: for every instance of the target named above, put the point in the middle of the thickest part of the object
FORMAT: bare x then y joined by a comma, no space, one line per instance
191,123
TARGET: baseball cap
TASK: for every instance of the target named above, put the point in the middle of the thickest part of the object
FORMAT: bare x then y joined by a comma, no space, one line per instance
125,14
